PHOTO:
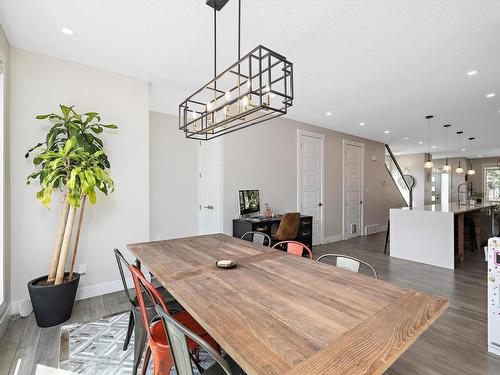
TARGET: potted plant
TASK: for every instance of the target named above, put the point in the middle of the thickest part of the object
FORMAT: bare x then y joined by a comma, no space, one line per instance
72,161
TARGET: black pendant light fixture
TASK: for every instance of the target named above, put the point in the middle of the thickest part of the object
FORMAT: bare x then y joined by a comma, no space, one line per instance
471,170
428,162
446,166
459,168
256,88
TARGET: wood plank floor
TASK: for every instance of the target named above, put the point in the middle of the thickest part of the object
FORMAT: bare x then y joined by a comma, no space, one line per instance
455,344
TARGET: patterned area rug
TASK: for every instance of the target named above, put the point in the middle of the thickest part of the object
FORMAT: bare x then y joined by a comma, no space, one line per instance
96,348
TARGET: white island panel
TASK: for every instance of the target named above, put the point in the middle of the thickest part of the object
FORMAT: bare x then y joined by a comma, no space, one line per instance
423,236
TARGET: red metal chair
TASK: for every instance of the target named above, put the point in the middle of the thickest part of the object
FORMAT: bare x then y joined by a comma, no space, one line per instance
157,339
294,247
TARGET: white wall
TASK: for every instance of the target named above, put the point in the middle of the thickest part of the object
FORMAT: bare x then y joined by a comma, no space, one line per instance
173,179
265,157
5,273
39,84
414,164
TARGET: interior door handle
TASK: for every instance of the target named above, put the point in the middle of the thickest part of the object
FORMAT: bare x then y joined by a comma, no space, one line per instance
320,204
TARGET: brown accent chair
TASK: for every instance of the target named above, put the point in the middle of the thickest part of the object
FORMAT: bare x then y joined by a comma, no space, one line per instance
288,228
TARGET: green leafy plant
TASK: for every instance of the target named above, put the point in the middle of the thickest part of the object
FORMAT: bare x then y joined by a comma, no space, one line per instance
71,160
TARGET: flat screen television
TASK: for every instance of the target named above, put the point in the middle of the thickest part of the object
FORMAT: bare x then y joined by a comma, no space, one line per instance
249,202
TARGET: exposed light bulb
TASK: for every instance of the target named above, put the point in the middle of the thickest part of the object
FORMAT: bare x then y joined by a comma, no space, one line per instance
227,95
245,101
446,168
428,164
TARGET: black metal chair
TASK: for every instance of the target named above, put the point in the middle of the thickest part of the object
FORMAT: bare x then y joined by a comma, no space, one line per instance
135,323
257,237
177,335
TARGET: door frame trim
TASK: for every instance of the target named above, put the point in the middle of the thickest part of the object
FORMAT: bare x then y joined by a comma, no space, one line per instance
362,146
321,137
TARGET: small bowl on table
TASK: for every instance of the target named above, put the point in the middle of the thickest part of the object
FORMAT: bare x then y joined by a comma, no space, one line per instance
225,263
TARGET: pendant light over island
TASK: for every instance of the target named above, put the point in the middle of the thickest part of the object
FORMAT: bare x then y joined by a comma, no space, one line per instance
429,164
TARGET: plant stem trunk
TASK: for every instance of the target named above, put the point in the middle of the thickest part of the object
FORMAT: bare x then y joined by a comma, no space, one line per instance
59,240
65,246
77,239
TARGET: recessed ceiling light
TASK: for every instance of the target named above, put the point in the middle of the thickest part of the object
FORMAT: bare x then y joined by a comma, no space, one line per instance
464,149
405,138
328,113
490,95
434,146
472,72
67,31
480,156
420,142
387,131
361,124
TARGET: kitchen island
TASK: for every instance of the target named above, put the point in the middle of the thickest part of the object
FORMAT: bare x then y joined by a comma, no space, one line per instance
434,234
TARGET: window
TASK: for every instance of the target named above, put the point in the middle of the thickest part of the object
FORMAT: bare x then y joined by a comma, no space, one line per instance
492,183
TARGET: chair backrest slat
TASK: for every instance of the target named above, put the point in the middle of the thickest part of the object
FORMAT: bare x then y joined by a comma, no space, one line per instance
294,247
177,335
179,349
348,262
258,238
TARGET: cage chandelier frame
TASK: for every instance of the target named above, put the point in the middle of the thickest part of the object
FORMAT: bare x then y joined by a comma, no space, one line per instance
256,88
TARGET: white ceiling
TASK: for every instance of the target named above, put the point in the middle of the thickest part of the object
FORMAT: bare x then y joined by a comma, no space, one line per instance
382,62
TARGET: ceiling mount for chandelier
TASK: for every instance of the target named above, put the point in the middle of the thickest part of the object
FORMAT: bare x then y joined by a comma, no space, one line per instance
256,88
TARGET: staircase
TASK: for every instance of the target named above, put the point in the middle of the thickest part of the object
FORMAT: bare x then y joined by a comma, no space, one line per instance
397,176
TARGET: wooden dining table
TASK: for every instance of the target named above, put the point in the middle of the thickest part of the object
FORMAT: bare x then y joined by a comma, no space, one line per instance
276,313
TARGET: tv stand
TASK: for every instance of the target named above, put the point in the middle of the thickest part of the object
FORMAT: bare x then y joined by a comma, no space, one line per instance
269,225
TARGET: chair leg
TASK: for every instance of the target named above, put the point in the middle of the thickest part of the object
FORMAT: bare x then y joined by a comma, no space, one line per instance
145,362
139,342
129,330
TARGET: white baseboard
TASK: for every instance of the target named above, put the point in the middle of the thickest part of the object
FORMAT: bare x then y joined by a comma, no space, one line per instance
4,319
100,289
339,237
381,228
335,238
84,292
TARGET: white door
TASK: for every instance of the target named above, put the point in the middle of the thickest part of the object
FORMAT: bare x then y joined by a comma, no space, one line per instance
210,187
353,189
310,183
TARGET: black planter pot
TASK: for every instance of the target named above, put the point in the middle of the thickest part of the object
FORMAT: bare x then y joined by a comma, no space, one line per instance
52,304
